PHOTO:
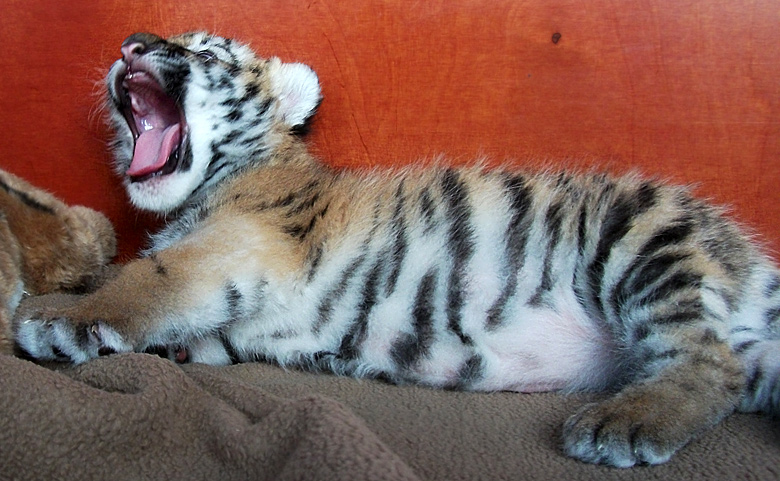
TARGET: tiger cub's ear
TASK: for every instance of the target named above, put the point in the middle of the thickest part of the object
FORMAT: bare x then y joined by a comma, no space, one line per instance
297,91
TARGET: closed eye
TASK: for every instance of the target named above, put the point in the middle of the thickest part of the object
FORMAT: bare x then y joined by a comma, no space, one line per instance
206,56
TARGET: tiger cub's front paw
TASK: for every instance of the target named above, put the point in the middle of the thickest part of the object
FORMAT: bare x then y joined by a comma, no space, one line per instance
60,340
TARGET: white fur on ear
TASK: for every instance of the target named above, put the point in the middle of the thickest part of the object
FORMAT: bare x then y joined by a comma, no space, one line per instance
297,89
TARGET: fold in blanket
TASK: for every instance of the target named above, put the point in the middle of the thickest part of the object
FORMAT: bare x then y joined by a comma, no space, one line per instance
141,417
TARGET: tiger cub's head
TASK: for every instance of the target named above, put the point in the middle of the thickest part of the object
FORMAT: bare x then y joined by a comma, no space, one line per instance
191,109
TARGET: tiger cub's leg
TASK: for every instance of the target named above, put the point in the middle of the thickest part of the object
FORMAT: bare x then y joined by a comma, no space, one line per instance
187,292
649,420
683,377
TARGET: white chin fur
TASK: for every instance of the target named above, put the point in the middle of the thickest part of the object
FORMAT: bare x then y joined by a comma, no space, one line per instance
164,193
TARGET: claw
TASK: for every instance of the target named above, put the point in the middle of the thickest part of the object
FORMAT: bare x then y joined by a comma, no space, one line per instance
94,330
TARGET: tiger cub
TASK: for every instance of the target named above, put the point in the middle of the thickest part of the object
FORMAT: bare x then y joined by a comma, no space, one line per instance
468,278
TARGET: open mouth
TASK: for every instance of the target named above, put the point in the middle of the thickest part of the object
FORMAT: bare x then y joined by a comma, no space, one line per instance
157,124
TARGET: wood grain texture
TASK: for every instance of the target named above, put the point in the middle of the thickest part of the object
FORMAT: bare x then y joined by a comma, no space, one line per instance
687,90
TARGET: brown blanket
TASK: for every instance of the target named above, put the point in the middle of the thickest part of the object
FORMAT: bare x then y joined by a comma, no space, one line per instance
137,416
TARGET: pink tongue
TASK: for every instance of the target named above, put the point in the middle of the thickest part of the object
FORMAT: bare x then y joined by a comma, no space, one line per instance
152,149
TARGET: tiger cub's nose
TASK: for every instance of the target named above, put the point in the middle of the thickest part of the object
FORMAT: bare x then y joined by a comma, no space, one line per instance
138,43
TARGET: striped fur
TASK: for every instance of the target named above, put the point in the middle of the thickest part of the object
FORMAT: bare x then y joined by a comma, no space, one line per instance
471,278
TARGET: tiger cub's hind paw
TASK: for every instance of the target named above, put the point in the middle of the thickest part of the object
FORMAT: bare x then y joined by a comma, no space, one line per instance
622,435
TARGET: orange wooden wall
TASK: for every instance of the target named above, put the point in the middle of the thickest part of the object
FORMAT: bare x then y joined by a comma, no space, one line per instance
684,89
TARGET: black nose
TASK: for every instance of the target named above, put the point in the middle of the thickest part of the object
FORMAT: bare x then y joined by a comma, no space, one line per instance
138,43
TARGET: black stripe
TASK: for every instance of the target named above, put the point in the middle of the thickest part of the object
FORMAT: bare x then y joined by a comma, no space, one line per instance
176,78
563,182
409,348
640,333
687,312
252,140
214,168
517,231
307,203
672,235
257,125
229,348
616,224
257,154
285,201
670,287
233,102
772,315
300,232
227,139
744,346
552,220
227,45
472,370
233,300
26,199
428,210
516,239
352,340
582,229
185,158
234,115
212,84
641,274
225,81
741,329
653,268
263,107
400,243
250,92
495,315
315,256
773,286
290,198
667,355
755,379
336,293
461,246
216,154
233,70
